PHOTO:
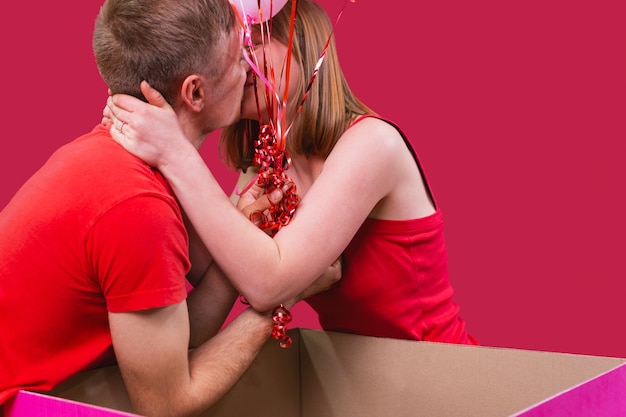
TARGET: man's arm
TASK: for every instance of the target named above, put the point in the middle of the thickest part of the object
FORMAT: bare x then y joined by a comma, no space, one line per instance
162,377
142,264
209,304
199,256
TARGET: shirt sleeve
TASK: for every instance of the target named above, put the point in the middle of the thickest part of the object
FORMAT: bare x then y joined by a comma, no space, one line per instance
139,254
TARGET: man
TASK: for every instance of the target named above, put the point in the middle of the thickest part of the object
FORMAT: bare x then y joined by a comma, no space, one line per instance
94,249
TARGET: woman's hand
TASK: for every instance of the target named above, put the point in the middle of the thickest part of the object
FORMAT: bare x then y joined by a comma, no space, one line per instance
106,114
255,203
151,131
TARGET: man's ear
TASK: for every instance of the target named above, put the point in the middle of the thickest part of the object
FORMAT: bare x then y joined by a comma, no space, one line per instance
192,92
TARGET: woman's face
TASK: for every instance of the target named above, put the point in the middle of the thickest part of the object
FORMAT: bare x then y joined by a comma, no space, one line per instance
276,55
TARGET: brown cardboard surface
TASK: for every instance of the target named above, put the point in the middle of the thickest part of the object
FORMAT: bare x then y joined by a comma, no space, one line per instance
270,387
348,375
327,374
102,387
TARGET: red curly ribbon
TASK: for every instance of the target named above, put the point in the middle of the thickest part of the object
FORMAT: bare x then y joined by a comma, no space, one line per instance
270,154
280,318
273,160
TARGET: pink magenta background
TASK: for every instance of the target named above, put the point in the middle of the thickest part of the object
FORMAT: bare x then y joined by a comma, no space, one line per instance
517,110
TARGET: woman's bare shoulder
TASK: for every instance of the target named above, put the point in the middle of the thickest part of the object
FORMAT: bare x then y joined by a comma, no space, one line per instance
376,134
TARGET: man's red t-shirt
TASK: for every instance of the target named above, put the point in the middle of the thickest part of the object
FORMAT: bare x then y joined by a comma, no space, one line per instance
94,231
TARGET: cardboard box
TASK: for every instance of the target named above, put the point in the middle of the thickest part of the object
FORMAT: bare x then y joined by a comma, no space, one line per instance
327,374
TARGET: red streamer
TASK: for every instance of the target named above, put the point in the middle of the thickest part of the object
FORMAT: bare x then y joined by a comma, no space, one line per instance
270,154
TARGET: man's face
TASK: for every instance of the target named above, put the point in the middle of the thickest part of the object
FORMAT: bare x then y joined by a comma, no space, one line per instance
224,101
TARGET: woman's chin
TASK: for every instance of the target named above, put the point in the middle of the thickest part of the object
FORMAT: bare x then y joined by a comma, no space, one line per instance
249,112
251,115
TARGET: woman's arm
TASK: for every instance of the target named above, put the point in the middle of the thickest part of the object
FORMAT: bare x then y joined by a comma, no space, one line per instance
356,176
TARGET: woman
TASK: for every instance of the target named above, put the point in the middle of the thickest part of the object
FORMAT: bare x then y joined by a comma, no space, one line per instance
363,197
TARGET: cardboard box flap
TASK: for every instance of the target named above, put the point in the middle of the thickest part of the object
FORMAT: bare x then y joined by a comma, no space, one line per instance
603,396
32,404
349,375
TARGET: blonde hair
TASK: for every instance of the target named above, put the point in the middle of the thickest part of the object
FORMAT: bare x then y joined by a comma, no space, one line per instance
330,106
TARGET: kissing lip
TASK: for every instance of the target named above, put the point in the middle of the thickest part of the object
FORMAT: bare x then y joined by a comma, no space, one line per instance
249,80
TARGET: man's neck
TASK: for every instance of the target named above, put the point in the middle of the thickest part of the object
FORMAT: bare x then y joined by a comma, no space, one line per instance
191,130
